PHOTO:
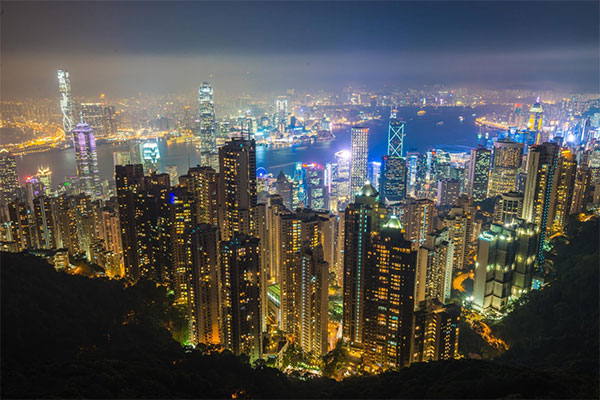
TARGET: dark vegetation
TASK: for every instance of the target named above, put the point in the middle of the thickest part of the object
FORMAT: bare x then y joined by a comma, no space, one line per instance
70,336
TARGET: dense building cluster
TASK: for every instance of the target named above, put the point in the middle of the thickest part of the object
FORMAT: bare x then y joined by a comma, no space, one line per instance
253,258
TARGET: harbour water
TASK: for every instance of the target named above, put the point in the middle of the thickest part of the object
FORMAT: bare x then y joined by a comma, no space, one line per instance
422,133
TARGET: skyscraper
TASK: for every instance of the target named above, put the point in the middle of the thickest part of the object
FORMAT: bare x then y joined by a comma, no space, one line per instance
479,172
182,219
508,208
395,137
539,201
390,288
358,163
240,283
361,219
435,332
201,182
207,129
204,307
434,267
86,159
507,160
393,182
237,188
9,180
93,115
566,173
417,219
66,102
448,192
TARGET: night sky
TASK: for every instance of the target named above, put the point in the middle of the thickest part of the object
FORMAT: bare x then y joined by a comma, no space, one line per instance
121,48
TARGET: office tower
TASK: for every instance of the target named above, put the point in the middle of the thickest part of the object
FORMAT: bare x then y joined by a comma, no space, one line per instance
312,300
374,173
206,129
438,165
524,264
434,267
566,173
110,120
312,189
45,224
417,219
395,137
182,218
501,252
144,215
342,176
358,162
285,190
393,183
201,182
362,218
86,159
539,200
66,102
93,115
203,307
240,293
506,162
479,173
237,187
536,114
44,175
390,288
9,180
281,109
436,332
448,192
508,208
151,156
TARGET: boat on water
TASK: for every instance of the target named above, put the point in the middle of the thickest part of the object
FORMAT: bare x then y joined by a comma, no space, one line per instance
439,123
421,112
461,118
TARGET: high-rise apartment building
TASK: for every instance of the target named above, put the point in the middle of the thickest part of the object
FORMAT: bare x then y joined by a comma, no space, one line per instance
435,332
86,160
506,163
448,192
479,173
390,286
9,180
201,182
417,217
434,267
240,295
237,188
207,128
359,140
182,219
566,173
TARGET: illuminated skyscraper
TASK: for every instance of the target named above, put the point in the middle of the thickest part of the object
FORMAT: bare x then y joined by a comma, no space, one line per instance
151,156
207,129
507,160
566,173
393,182
361,219
182,219
285,190
434,267
44,175
45,225
86,159
395,137
66,102
204,310
390,302
9,180
508,208
237,188
201,182
435,332
479,173
417,219
240,301
536,113
448,192
539,201
358,163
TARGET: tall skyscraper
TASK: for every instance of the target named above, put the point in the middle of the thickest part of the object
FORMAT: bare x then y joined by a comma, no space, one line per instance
285,190
204,307
207,128
182,219
9,180
93,115
358,164
66,102
361,219
241,307
417,219
507,160
448,192
436,332
395,137
237,188
44,175
390,288
479,173
202,183
566,174
539,201
86,159
393,182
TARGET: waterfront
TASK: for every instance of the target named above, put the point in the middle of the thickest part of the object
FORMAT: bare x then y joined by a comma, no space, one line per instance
422,133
